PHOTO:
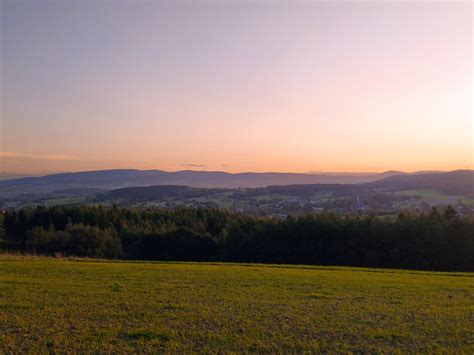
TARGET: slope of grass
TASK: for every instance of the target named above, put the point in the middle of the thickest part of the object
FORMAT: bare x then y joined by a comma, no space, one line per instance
432,196
52,304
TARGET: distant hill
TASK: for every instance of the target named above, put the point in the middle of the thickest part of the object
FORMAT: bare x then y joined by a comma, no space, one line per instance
9,176
158,192
458,182
114,179
161,192
92,183
455,183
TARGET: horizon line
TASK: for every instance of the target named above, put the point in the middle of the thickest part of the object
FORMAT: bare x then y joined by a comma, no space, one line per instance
38,174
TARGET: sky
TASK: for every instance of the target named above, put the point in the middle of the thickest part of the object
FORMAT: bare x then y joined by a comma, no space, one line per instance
284,86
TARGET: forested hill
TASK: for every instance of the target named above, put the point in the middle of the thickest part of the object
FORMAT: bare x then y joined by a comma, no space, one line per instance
458,182
135,186
113,179
158,192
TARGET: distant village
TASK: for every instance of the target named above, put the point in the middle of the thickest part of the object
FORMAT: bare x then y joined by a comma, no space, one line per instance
379,204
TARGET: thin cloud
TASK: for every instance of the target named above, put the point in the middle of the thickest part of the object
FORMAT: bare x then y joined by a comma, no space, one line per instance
193,165
21,156
46,163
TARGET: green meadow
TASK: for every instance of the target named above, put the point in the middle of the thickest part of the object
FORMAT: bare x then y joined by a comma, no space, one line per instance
49,304
435,196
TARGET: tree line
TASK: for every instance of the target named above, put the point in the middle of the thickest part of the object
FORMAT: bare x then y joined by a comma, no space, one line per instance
438,240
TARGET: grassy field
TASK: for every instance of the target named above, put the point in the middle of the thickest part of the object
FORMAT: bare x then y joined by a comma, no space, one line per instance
56,304
433,196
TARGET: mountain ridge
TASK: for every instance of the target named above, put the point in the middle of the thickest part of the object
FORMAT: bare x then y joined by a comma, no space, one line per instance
457,181
118,178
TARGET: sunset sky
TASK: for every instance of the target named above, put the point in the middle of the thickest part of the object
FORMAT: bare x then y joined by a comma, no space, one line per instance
236,86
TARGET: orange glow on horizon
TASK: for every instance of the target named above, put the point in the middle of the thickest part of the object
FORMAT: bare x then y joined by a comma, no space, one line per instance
281,87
